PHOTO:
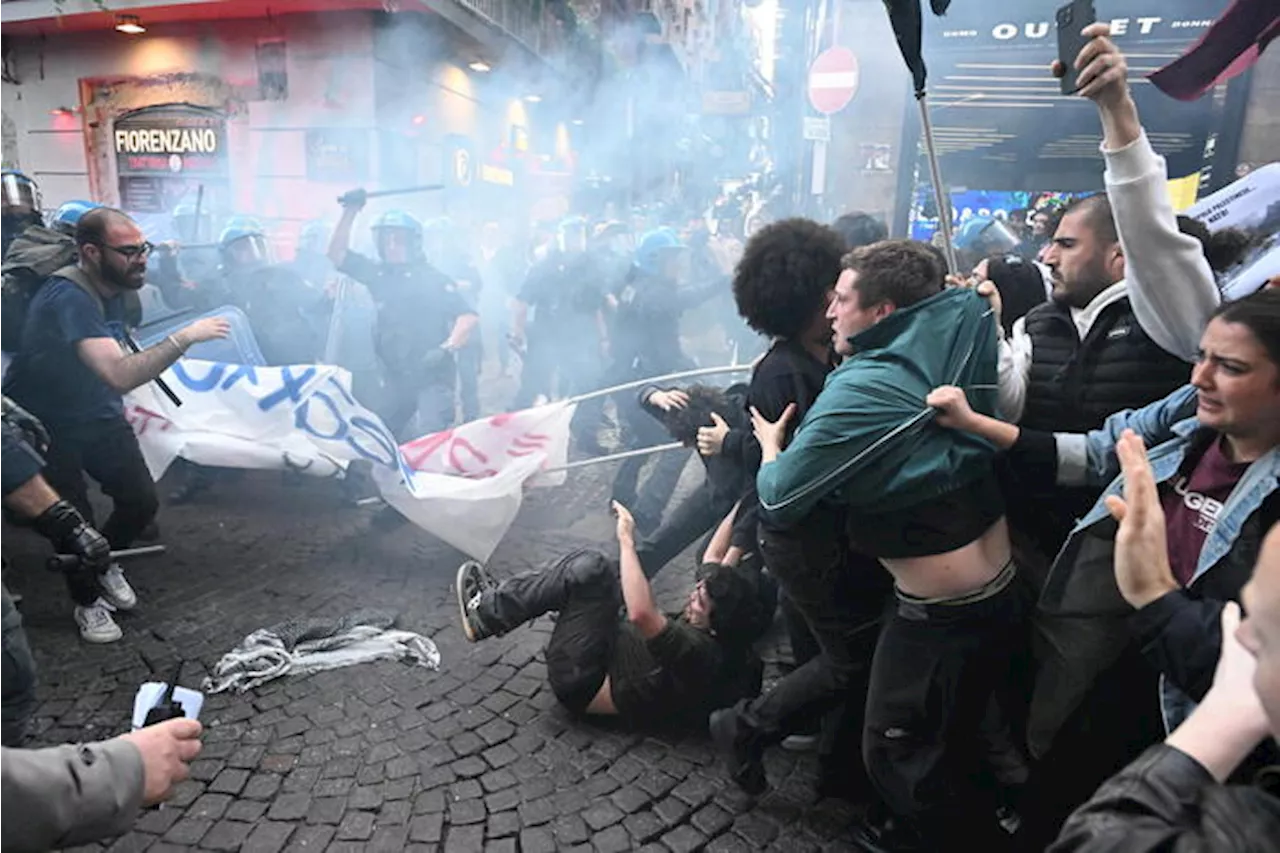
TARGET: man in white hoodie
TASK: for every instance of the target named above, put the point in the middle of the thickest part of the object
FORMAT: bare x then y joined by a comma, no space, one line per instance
1131,296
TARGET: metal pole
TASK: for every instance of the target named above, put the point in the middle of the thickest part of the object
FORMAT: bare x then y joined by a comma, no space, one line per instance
940,195
614,457
654,380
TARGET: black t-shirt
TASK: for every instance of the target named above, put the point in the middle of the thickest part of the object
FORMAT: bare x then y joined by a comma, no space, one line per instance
674,676
787,374
417,307
47,376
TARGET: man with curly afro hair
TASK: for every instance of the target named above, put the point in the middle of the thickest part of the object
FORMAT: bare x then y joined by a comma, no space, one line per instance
783,285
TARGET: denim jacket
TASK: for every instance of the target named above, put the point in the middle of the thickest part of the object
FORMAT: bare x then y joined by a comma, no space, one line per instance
1082,581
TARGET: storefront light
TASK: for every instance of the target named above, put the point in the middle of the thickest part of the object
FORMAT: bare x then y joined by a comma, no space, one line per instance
579,122
480,65
130,25
533,99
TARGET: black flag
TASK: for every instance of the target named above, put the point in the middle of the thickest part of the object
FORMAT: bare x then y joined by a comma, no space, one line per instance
904,17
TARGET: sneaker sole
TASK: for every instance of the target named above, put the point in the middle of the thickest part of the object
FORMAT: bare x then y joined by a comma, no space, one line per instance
463,570
102,641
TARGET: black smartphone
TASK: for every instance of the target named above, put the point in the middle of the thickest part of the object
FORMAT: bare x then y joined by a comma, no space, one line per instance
1071,19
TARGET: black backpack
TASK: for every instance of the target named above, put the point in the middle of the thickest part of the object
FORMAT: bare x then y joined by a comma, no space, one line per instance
36,254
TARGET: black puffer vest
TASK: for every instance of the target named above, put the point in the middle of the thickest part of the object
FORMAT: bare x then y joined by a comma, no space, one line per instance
1074,385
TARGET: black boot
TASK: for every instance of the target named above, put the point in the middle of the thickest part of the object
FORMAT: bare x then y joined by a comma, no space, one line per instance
740,746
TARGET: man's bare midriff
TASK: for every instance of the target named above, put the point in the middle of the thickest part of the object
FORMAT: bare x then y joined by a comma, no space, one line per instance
957,572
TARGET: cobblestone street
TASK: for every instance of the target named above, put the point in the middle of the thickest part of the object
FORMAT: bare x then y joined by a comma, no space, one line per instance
477,756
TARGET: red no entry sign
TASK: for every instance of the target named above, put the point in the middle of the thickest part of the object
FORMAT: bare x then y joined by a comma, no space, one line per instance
833,80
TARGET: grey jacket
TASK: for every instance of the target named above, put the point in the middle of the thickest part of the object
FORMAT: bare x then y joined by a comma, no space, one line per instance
68,795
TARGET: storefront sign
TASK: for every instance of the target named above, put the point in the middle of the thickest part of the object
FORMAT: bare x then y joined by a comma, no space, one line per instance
170,139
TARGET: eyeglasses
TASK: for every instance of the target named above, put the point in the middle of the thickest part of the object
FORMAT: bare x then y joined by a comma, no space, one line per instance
131,252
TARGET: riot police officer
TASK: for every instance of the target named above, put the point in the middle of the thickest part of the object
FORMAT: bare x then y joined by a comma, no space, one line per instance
444,247
285,312
567,335
19,206
422,321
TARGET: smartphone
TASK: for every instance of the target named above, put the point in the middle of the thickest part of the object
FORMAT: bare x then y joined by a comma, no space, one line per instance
1071,19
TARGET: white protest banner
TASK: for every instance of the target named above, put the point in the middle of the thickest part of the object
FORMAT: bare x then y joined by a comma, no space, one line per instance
1251,204
463,485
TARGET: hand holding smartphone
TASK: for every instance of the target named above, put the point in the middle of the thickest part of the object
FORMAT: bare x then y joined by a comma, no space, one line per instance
1071,19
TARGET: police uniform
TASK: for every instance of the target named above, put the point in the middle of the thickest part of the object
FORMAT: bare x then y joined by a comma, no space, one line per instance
417,308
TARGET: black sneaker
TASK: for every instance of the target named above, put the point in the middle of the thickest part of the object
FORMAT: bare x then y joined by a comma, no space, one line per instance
742,755
471,584
878,834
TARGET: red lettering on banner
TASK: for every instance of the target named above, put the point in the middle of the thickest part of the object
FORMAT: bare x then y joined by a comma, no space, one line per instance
140,419
529,443
462,443
501,420
416,452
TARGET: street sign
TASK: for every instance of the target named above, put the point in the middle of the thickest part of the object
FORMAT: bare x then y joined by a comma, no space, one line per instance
817,128
833,80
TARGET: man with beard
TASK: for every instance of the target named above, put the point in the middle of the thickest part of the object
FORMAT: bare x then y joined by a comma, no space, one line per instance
71,372
1131,295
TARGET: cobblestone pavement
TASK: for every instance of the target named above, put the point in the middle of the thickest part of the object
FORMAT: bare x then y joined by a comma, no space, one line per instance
477,756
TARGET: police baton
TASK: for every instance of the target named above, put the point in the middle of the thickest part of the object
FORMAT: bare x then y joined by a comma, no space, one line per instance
354,196
164,386
66,562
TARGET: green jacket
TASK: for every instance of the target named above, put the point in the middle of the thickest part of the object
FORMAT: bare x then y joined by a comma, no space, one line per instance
869,441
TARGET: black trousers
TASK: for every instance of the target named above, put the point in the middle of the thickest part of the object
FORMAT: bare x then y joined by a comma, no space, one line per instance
108,452
585,590
841,598
18,701
470,362
406,395
936,669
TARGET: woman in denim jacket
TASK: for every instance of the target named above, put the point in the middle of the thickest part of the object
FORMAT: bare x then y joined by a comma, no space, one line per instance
1229,415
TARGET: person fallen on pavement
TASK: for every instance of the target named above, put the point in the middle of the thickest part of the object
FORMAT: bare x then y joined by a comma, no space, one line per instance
77,793
613,652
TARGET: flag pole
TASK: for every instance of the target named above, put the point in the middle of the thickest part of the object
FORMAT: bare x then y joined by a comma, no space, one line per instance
614,457
940,195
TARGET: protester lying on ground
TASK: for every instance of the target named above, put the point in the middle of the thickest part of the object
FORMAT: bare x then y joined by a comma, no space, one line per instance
645,666
1173,797
929,508
75,794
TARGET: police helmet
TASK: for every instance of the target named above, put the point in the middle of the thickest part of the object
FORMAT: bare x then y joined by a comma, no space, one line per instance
654,246
19,194
984,235
243,244
571,234
398,221
68,215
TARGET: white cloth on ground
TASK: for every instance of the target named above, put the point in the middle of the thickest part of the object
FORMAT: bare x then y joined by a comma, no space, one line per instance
314,645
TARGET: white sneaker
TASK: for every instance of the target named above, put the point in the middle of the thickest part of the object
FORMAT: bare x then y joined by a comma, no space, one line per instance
116,590
96,624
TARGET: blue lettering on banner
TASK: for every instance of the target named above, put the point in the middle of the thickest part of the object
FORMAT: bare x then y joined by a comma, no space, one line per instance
333,380
302,419
203,383
290,388
242,371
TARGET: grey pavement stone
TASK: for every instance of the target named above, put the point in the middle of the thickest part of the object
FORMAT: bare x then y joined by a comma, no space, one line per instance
209,806
464,839
537,840
290,807
267,837
427,828
465,812
188,831
388,839
226,835
355,826
326,810
502,824
309,838
501,845
248,811
612,840
684,839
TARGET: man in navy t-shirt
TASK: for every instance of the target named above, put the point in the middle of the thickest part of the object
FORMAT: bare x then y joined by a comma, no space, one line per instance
71,372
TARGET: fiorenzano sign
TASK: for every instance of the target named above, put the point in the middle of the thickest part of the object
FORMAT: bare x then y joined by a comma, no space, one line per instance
170,138
168,141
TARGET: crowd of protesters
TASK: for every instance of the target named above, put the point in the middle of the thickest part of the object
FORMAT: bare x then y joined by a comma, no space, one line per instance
1019,523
